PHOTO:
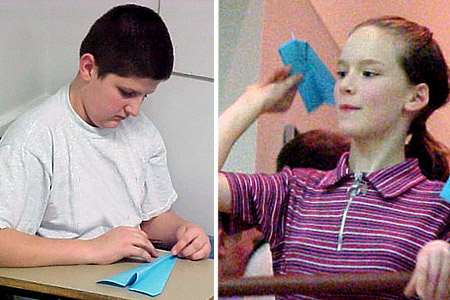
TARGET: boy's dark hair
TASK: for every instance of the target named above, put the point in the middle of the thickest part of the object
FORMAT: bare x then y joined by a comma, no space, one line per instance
130,41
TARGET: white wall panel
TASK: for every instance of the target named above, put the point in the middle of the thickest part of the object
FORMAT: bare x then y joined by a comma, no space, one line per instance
183,111
22,56
191,25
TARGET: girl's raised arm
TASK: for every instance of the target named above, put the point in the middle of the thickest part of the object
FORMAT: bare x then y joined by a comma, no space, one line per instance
272,95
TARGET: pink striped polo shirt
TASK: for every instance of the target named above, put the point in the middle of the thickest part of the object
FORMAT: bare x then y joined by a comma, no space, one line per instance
320,222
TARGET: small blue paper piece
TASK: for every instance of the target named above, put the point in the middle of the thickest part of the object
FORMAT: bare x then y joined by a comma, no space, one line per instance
317,85
149,278
445,193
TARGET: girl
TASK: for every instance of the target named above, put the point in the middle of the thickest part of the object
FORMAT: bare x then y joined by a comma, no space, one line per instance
380,209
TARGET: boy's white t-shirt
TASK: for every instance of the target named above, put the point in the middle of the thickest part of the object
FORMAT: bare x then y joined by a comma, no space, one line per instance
62,178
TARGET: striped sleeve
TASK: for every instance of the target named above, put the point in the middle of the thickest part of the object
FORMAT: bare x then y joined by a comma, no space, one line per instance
260,200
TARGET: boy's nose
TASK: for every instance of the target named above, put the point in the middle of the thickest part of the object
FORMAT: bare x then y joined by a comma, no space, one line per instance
133,109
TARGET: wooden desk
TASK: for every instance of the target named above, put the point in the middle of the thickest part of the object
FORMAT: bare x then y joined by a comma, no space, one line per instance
188,280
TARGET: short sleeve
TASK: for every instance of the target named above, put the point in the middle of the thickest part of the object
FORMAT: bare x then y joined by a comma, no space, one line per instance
160,193
24,189
261,200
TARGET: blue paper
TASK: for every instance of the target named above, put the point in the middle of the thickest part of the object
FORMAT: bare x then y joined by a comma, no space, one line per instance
149,278
317,85
445,193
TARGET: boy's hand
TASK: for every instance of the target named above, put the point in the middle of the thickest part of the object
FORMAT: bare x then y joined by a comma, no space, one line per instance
431,277
119,243
192,242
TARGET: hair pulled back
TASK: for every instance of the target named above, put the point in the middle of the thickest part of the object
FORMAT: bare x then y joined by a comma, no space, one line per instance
423,62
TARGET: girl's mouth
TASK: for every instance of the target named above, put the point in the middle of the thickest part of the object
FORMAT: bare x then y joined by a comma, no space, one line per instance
348,107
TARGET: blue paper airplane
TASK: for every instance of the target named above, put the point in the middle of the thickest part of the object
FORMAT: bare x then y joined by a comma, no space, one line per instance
445,193
317,85
149,278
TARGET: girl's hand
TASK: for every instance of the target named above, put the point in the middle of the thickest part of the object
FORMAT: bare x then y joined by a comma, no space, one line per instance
431,277
276,93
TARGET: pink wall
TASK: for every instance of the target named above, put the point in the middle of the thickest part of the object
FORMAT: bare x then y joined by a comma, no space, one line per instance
325,24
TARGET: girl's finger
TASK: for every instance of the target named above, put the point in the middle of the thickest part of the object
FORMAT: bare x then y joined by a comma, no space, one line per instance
421,276
442,289
277,75
434,269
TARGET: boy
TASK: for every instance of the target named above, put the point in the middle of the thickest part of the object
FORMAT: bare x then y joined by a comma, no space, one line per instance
84,175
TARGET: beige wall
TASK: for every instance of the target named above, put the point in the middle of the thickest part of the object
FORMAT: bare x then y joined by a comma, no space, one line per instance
325,24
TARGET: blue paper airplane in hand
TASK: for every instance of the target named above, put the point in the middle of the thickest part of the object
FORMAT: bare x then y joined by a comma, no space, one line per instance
317,85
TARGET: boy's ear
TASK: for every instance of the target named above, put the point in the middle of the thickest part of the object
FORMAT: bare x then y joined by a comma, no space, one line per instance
419,99
87,67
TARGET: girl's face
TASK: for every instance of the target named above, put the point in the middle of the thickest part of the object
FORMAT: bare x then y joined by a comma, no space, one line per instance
372,87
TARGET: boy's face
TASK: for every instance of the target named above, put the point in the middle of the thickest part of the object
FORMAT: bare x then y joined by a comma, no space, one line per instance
111,99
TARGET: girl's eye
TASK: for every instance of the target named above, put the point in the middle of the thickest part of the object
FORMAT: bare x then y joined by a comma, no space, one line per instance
341,74
370,74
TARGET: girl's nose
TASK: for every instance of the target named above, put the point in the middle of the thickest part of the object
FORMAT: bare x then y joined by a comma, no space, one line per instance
347,85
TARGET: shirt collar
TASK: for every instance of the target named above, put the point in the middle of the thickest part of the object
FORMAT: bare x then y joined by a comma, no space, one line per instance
390,181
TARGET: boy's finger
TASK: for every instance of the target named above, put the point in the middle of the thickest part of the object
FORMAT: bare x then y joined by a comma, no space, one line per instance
151,249
200,254
179,246
196,250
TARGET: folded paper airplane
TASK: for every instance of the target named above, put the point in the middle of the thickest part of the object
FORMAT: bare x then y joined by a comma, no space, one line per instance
149,278
445,193
317,85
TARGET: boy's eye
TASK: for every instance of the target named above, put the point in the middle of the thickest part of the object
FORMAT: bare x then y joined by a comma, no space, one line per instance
369,74
127,94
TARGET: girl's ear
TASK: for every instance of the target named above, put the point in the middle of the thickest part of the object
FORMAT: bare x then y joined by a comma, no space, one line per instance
419,99
87,66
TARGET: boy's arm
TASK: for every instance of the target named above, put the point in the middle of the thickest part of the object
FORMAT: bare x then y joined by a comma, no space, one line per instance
186,239
18,249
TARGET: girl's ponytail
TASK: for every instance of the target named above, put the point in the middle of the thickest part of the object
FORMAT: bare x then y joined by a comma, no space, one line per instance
431,154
